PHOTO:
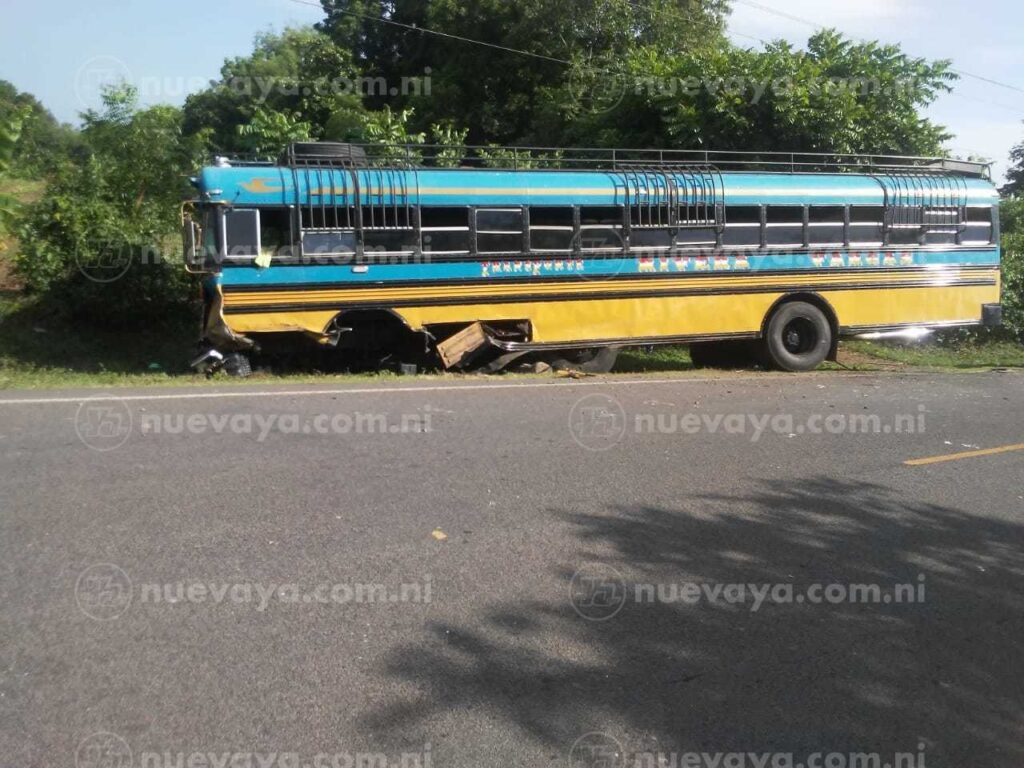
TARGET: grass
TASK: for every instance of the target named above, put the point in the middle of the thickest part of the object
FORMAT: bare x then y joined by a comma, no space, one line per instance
653,360
990,354
38,350
23,190
41,351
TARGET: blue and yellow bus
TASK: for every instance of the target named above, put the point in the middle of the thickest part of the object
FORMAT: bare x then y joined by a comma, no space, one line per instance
575,254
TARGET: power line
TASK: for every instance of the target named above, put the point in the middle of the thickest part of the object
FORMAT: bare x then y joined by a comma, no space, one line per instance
424,30
567,62
816,26
507,49
1007,107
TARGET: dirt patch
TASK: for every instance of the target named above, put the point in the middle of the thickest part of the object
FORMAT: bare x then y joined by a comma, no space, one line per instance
854,359
8,280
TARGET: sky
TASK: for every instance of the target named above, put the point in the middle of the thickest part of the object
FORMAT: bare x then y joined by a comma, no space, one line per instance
61,50
984,38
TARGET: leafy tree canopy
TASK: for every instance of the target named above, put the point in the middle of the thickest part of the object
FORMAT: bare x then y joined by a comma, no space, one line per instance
41,140
495,93
117,199
300,73
835,96
1015,176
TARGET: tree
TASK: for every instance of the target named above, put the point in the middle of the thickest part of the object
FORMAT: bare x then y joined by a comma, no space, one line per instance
834,97
10,131
298,75
1011,217
1015,176
42,142
118,200
269,133
496,93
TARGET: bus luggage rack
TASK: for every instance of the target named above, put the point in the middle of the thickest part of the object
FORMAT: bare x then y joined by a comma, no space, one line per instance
384,203
925,202
689,195
330,154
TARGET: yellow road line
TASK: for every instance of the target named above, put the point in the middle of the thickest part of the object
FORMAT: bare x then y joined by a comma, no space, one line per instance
964,455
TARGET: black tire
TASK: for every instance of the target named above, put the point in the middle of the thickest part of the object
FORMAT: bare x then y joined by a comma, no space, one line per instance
590,360
798,337
721,354
237,364
333,150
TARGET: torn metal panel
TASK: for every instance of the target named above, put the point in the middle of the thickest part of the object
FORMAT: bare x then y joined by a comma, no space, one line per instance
460,348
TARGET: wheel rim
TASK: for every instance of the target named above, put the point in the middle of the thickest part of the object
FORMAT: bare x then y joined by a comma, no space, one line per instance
799,336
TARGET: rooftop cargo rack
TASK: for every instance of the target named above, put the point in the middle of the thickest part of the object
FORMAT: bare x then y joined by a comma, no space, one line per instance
333,154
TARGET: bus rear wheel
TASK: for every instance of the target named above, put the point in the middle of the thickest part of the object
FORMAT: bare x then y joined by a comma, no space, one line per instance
798,337
589,360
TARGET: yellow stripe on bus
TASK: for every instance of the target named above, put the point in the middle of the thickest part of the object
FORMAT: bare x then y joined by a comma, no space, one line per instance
505,287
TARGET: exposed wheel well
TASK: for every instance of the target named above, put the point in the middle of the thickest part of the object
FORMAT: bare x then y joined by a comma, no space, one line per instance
372,327
815,300
369,318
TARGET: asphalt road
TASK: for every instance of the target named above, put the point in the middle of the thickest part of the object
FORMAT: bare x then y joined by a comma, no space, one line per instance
515,573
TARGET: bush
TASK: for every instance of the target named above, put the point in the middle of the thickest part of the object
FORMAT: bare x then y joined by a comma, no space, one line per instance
1011,215
102,245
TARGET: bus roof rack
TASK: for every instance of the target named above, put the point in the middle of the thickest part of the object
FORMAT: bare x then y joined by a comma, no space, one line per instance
349,155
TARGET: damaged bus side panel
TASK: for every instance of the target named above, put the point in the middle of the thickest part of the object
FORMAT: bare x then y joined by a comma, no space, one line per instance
476,266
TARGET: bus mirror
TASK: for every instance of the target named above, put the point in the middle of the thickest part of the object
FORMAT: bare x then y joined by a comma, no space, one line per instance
191,235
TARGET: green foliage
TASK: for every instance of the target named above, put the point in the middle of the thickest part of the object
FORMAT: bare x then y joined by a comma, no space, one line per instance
836,96
387,127
10,132
502,157
644,73
269,133
299,73
452,141
1015,176
1011,216
116,205
496,93
41,141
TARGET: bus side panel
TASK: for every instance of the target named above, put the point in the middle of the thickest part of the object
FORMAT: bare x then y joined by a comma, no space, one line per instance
669,316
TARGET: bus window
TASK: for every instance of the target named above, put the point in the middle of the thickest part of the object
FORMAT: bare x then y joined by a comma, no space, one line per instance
499,230
209,252
743,225
942,224
826,225
241,233
601,228
650,238
445,229
866,224
341,243
389,241
552,228
275,232
327,217
694,237
978,229
784,225
611,215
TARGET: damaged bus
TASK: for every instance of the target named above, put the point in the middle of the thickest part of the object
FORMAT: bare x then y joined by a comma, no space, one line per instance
448,257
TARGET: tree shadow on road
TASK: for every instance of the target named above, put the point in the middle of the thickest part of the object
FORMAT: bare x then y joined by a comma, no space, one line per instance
665,676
